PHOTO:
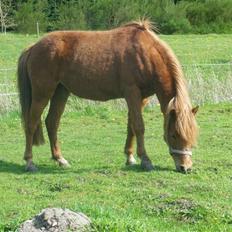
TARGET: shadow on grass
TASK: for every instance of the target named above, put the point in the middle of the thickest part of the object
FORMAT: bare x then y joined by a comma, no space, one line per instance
10,167
137,168
51,168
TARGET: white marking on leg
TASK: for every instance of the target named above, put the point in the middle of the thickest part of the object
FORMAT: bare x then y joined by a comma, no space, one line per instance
63,162
131,160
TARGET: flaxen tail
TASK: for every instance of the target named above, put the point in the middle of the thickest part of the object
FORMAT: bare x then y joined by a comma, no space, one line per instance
25,97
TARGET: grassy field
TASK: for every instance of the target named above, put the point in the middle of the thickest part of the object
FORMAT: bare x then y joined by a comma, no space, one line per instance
115,197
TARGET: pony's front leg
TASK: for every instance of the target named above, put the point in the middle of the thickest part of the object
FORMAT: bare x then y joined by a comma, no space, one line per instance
130,138
52,121
134,102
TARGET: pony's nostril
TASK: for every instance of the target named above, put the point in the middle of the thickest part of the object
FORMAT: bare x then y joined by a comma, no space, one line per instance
185,170
182,169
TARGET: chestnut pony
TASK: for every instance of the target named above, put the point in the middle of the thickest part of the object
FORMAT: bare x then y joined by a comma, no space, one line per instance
128,62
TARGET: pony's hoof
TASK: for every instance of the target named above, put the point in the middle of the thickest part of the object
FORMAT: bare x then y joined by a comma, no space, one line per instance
63,163
31,168
147,165
131,161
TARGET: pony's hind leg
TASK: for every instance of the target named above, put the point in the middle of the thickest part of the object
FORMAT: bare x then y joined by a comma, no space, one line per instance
134,101
52,121
129,144
33,130
131,137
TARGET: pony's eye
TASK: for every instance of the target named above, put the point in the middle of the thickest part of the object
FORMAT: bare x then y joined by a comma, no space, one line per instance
173,136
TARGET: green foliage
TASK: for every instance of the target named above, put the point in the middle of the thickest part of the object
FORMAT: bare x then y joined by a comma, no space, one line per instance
28,14
187,16
171,18
210,16
70,16
108,13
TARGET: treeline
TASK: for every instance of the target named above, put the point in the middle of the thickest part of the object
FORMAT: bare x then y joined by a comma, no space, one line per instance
171,16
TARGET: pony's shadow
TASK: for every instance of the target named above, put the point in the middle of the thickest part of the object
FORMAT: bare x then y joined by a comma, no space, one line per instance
10,167
137,168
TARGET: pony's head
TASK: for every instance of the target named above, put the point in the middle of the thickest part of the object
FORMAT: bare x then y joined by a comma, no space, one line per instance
181,131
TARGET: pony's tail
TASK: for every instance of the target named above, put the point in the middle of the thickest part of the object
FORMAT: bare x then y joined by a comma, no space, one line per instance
25,97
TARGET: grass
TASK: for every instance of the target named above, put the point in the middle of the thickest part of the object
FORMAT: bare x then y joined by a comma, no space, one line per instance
115,197
201,49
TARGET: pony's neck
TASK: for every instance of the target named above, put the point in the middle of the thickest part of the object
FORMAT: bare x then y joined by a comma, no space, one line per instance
164,95
168,72
170,84
177,90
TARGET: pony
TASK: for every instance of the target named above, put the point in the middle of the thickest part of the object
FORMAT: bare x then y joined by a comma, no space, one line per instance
129,62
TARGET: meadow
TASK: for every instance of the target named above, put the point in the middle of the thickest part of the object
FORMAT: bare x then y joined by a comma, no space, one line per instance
116,197
119,198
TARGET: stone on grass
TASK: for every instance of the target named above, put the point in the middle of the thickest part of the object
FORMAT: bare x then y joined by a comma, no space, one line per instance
57,220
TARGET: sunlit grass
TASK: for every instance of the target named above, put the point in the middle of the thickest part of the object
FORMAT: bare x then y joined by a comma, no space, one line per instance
117,198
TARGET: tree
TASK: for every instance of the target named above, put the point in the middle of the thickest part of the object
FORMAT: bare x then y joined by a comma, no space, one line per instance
5,17
29,13
71,16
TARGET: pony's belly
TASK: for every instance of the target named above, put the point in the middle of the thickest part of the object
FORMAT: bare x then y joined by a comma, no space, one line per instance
93,90
97,96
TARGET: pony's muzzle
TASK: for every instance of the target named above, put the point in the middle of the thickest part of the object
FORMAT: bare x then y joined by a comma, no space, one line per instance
182,159
184,169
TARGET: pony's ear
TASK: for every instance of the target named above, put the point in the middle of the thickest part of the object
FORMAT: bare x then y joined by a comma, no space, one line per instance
195,109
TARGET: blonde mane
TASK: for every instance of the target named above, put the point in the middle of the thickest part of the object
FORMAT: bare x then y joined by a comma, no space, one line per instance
186,125
143,24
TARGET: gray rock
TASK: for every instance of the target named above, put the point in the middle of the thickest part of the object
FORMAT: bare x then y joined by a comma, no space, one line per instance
57,220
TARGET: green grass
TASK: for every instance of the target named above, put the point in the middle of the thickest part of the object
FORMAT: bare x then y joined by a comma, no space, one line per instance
11,47
201,49
115,197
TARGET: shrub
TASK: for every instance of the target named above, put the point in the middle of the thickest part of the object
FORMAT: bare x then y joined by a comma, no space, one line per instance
187,16
210,16
107,14
28,14
70,16
171,18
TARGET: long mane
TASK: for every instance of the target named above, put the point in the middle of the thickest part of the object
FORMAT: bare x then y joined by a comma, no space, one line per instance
186,125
